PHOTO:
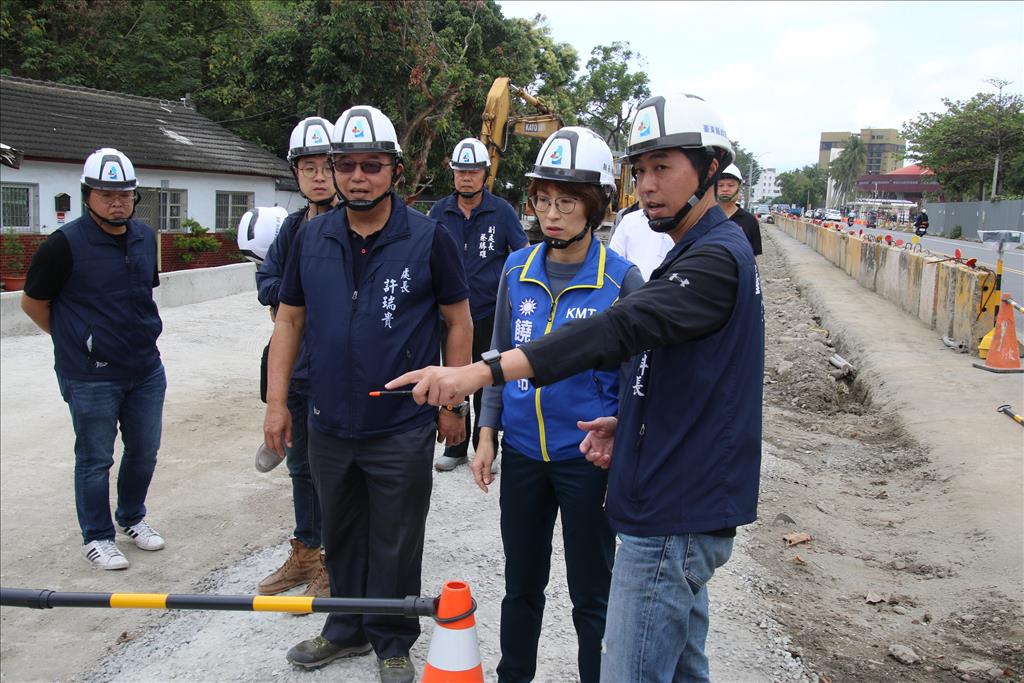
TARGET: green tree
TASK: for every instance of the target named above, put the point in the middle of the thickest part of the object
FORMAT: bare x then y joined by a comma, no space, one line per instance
749,167
961,144
803,187
610,93
846,168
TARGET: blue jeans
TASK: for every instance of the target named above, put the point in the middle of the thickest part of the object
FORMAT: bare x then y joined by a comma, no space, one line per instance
304,498
97,409
658,608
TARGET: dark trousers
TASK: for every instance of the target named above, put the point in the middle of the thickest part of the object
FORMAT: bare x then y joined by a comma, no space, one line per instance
533,492
374,495
304,498
482,331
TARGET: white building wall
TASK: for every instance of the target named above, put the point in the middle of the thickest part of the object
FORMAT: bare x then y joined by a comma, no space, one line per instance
767,185
49,179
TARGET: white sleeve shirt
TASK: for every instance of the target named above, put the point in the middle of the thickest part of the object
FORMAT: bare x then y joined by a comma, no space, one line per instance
634,240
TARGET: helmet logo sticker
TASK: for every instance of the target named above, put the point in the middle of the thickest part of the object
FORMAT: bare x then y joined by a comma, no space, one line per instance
112,173
557,153
644,130
316,138
467,156
358,130
714,129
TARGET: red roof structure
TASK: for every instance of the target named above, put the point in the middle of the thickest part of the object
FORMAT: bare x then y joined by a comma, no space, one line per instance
910,183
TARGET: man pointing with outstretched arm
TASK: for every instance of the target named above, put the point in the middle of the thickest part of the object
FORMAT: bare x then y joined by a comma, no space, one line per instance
684,452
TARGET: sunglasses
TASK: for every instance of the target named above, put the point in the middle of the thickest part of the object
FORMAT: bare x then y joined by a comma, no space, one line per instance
347,166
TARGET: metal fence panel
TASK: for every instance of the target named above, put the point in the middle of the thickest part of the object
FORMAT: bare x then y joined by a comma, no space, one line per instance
943,217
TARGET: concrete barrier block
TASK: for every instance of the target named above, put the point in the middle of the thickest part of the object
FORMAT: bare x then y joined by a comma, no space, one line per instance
202,284
870,255
888,279
945,298
927,292
853,251
176,289
910,281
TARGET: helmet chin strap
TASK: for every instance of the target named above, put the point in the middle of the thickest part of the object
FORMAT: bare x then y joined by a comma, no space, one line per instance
362,204
116,222
562,244
669,224
469,195
365,204
727,198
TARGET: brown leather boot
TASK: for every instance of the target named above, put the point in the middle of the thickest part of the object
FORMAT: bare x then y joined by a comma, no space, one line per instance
301,566
320,586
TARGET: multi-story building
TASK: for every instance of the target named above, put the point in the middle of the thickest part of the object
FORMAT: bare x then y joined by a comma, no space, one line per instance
885,148
767,186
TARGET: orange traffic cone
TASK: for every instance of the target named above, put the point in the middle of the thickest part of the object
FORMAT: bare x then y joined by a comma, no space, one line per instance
454,655
1002,354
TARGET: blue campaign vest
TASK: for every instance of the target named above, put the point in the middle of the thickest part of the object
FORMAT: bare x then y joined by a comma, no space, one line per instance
487,236
104,323
541,423
687,453
361,335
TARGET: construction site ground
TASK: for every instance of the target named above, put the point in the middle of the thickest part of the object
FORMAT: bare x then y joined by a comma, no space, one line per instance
905,478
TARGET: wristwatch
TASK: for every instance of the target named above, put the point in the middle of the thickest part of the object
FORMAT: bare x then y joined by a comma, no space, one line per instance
493,360
460,409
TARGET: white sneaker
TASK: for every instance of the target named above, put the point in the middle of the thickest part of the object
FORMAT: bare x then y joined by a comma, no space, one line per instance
144,535
104,555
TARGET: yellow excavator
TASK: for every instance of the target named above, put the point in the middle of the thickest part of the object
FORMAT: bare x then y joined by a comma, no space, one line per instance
499,124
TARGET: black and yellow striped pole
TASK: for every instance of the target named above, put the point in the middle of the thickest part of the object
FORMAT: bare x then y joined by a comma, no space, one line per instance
412,606
1007,409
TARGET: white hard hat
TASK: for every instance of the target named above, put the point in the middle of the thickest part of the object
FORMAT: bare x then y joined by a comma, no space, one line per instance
734,171
470,155
258,229
108,169
575,155
364,129
679,120
311,137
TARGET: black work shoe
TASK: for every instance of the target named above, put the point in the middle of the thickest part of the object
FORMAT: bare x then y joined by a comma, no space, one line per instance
396,670
314,653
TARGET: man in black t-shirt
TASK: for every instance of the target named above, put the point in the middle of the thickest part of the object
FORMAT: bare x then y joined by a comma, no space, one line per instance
728,192
90,287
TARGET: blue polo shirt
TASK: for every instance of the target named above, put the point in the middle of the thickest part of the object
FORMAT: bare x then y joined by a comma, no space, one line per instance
488,236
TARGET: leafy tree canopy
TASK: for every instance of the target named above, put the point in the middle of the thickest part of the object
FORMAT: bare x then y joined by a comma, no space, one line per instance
961,144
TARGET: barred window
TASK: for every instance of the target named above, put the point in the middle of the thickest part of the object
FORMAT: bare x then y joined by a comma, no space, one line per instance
231,206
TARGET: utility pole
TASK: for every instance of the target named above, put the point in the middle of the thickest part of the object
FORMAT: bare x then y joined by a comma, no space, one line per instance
1000,84
750,182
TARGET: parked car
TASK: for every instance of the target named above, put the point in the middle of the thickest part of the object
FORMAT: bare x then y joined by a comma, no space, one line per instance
833,215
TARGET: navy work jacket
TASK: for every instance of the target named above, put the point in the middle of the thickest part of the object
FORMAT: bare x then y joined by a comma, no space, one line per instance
104,323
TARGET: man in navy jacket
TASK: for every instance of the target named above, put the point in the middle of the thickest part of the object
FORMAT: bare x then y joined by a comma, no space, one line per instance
90,286
367,283
685,450
489,230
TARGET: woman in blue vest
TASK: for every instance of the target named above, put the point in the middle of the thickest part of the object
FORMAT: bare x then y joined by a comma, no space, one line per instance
569,276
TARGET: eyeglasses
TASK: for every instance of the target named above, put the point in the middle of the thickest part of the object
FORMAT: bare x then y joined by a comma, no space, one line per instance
314,171
116,197
347,166
564,204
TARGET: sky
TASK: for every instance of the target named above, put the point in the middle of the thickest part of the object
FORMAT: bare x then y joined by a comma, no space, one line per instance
780,73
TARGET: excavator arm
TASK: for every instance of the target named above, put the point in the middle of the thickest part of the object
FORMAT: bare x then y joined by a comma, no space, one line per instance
499,124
